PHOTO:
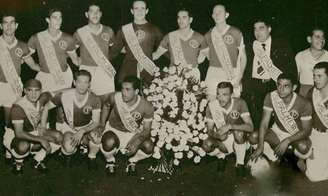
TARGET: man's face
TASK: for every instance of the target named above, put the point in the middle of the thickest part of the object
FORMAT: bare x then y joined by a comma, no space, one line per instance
317,40
9,25
184,20
139,10
55,20
219,14
32,94
284,88
223,96
94,14
82,84
261,31
128,92
320,78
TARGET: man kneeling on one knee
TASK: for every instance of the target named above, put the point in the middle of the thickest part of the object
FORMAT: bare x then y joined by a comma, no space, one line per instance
292,123
128,127
26,135
228,121
81,118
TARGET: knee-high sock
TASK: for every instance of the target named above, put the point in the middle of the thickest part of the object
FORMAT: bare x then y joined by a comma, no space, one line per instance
140,155
39,155
240,150
109,155
93,150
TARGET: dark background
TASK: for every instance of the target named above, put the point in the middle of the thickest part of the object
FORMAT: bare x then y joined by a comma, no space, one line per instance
291,19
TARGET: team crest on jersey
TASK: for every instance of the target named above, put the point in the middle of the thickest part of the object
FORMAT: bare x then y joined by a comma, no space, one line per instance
136,115
105,37
193,43
234,114
140,34
87,109
19,52
228,39
294,114
63,44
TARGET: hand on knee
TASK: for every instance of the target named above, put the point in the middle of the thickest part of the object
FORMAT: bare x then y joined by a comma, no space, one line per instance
67,146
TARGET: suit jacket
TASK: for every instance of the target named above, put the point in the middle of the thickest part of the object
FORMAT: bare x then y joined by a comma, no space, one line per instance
281,55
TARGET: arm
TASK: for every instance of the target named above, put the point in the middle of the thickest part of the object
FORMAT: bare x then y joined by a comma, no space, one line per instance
264,125
74,57
94,123
31,63
247,126
302,134
44,115
21,134
159,52
243,61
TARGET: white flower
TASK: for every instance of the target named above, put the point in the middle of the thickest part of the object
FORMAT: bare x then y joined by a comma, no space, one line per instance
195,140
178,155
201,152
185,114
195,132
202,84
159,89
175,149
187,75
157,155
197,159
153,133
190,154
157,74
186,148
157,117
176,162
195,88
160,112
165,69
146,91
160,144
168,146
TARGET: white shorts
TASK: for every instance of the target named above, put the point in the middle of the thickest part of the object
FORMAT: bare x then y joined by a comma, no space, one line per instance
216,75
228,143
7,95
49,84
124,137
101,83
280,134
317,165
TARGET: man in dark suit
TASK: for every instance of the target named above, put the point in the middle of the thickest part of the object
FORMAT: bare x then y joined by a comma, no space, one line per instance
260,74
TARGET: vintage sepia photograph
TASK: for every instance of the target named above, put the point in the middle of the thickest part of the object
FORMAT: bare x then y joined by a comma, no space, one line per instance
163,98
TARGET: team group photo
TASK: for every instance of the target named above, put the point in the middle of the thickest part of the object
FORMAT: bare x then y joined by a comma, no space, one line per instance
141,97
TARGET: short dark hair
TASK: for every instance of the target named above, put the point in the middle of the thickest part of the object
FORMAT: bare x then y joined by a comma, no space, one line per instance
288,76
223,5
53,10
139,0
7,14
184,9
310,33
33,83
322,65
82,72
135,81
266,21
225,85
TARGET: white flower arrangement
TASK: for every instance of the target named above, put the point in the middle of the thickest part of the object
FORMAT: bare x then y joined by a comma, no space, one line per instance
179,117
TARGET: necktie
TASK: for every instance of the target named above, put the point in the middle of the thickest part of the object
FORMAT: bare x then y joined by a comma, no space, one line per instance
260,69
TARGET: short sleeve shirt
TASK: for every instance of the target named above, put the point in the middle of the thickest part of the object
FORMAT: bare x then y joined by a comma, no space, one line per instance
18,51
234,114
63,44
299,108
142,110
233,40
82,112
104,39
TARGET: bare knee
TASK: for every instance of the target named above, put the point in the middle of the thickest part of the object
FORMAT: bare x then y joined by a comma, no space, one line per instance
58,137
303,146
21,147
110,141
253,138
239,137
147,146
207,145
